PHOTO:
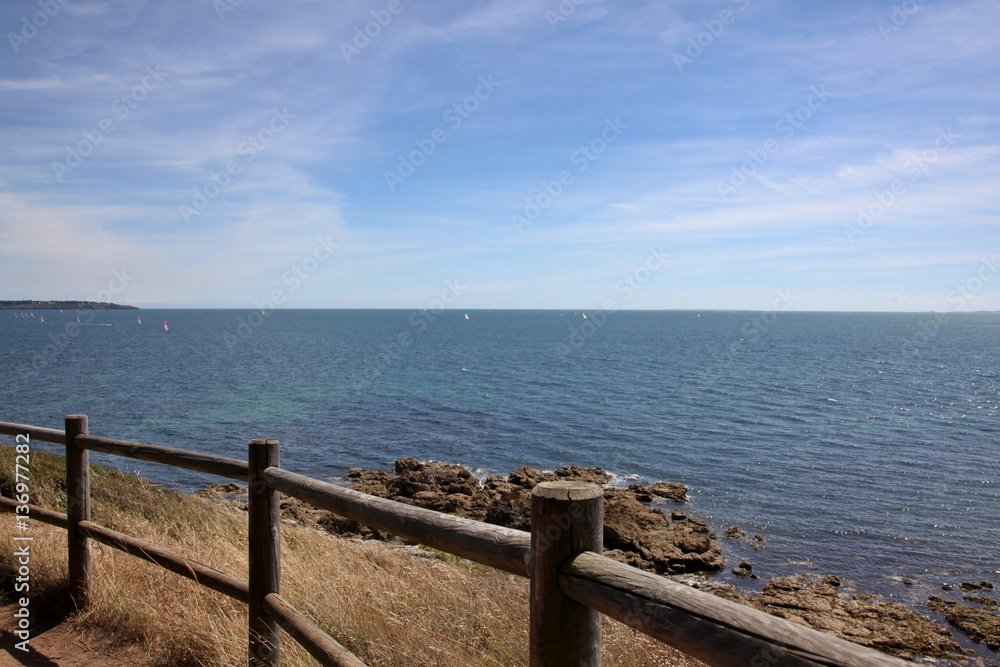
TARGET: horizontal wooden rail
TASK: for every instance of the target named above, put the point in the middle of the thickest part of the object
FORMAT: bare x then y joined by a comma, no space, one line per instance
180,458
197,572
35,432
327,650
503,548
37,513
718,632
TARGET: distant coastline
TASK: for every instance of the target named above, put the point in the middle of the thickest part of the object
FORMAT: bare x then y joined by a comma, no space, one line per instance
62,305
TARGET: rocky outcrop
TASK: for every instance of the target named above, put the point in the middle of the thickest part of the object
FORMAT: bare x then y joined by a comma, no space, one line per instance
979,625
634,533
647,538
862,619
220,490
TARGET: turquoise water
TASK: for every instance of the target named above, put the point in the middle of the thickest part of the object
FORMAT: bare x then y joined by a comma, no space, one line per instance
864,445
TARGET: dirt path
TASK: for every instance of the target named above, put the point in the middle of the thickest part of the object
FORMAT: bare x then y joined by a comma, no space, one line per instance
51,644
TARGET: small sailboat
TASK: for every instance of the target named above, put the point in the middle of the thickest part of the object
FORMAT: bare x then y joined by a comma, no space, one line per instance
584,315
165,327
77,320
466,316
43,319
140,320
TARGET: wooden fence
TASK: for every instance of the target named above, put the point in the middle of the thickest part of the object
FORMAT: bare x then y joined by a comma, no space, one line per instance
572,584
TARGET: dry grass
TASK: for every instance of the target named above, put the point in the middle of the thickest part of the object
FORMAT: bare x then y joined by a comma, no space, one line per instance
388,605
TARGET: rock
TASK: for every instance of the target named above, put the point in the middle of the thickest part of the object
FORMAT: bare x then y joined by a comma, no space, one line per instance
985,601
972,586
220,489
642,494
887,627
665,547
297,511
633,532
408,465
979,625
947,587
724,591
526,477
744,569
671,491
735,533
338,525
575,472
936,604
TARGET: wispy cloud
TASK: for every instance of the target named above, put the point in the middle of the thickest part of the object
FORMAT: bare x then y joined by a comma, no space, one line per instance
154,107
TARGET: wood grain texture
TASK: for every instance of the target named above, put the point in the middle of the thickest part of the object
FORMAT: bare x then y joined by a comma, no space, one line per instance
78,510
203,574
567,518
718,632
180,458
321,646
264,522
503,548
35,432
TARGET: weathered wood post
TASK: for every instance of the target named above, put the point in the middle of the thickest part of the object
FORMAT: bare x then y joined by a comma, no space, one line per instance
77,510
566,518
265,553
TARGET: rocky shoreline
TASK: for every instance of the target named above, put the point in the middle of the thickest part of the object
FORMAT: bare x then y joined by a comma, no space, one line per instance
645,527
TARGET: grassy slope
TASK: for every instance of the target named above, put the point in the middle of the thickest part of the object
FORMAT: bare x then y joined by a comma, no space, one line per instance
387,606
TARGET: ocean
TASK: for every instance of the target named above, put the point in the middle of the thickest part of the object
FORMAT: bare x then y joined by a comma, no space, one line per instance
865,445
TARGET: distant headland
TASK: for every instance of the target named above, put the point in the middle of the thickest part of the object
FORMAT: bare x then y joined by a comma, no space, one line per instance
62,305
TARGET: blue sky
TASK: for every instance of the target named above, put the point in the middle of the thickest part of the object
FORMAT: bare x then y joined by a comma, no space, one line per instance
510,154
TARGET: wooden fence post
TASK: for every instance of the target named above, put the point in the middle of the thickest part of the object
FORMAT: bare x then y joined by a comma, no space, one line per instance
566,518
77,510
264,515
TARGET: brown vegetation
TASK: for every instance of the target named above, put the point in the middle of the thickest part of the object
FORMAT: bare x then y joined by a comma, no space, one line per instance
390,604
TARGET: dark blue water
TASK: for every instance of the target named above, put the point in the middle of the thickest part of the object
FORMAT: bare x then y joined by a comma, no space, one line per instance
864,445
